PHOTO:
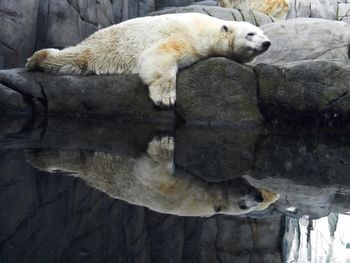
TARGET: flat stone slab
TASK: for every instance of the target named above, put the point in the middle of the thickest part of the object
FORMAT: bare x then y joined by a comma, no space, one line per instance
215,91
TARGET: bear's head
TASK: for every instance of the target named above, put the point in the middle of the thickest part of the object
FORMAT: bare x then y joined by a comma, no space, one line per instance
240,197
245,41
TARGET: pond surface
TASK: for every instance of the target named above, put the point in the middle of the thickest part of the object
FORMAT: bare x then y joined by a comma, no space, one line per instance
113,191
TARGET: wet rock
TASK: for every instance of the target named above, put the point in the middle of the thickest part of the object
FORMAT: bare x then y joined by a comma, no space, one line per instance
215,91
24,83
11,102
252,17
305,39
305,90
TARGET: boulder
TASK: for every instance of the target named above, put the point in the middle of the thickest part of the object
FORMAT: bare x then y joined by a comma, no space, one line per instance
250,16
305,90
215,91
326,9
306,39
218,91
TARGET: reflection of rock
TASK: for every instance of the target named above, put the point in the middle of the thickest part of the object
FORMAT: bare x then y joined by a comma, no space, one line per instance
309,90
215,155
309,170
306,39
149,181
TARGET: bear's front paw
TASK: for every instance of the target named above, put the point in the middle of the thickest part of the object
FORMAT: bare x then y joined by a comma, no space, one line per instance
163,94
161,149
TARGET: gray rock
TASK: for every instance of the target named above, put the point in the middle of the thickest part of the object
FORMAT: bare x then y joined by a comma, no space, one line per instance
326,9
317,90
31,25
306,39
218,91
27,86
18,20
160,4
206,3
11,102
233,103
344,12
252,17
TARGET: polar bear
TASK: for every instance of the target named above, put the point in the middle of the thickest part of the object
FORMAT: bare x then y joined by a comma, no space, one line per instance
155,48
150,181
274,8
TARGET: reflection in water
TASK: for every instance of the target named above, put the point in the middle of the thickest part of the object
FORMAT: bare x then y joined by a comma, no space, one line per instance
322,240
46,217
150,181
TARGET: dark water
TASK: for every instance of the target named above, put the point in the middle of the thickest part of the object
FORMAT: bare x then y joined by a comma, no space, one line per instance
66,188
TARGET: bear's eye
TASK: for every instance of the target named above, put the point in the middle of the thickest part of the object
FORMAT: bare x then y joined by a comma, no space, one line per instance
250,35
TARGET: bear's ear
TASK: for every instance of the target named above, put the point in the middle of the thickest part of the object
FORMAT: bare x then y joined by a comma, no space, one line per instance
224,29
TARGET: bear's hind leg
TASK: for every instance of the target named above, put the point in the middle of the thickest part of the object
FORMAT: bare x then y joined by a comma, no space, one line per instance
158,70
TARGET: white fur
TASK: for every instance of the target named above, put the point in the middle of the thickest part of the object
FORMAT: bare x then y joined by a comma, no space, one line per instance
155,47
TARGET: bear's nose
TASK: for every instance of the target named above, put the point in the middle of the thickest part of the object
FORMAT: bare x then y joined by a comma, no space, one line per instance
258,197
266,44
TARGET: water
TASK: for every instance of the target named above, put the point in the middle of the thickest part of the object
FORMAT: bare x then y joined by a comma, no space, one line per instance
114,191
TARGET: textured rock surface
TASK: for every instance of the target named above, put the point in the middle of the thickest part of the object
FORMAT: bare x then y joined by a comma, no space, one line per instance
316,90
344,12
305,38
326,9
49,23
252,17
18,21
215,91
11,102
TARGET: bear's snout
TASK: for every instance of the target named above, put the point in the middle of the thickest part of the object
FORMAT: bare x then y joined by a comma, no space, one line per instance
266,45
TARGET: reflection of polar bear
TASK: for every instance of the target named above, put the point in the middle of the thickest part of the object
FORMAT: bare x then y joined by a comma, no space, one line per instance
155,47
149,181
275,8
